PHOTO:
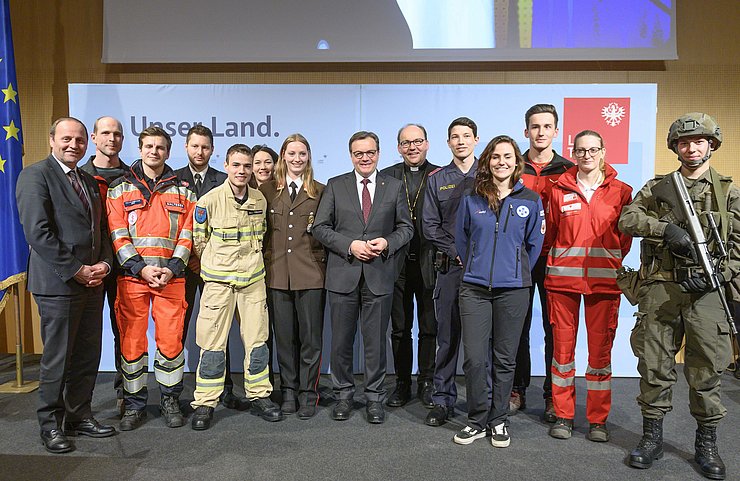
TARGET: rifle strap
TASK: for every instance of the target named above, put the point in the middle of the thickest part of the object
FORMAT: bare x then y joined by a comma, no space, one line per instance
721,195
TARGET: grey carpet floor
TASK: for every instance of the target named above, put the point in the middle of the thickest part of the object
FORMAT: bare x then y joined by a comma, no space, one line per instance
240,446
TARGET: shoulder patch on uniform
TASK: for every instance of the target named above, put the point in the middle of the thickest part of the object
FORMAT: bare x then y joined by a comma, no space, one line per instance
522,211
434,171
201,214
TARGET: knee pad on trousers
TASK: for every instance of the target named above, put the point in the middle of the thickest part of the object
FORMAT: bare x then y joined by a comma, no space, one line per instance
212,364
258,359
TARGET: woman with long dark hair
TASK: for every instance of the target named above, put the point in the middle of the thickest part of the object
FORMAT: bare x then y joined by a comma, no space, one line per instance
264,161
499,234
295,266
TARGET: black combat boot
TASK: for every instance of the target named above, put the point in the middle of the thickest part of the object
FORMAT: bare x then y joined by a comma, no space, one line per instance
650,447
707,455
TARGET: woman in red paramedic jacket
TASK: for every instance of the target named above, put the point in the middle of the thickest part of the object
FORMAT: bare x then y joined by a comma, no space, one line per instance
585,250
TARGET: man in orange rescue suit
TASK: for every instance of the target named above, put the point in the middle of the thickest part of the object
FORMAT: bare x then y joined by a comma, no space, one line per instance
227,237
150,215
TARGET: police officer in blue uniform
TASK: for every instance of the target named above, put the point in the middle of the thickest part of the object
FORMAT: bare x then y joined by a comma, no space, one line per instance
446,187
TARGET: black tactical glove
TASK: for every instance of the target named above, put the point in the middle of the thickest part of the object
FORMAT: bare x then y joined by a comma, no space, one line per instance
699,284
679,242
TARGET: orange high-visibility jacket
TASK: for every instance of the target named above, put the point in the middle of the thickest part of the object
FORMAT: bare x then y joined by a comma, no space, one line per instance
151,226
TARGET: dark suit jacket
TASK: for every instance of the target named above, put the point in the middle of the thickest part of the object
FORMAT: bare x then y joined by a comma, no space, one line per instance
62,235
426,254
339,221
305,266
213,178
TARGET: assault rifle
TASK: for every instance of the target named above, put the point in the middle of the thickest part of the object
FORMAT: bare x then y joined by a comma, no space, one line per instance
672,190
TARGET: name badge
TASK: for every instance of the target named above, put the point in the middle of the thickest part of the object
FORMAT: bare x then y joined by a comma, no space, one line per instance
571,207
570,197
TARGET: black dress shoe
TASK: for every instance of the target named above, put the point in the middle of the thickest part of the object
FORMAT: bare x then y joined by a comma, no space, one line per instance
400,396
56,442
202,418
424,392
307,412
439,415
375,412
88,427
342,410
288,406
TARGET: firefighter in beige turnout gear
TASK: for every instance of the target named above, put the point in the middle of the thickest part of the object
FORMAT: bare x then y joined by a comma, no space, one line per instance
229,223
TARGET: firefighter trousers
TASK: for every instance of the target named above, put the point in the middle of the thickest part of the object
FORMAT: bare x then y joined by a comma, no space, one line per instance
219,303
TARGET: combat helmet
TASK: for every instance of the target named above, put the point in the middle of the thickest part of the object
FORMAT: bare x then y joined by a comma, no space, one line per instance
691,124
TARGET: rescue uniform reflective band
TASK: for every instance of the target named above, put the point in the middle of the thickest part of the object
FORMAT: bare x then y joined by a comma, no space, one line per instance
568,251
119,233
604,371
604,272
126,252
134,374
563,368
209,384
186,234
182,253
174,224
237,233
257,378
154,242
601,252
566,271
169,372
596,385
235,278
563,382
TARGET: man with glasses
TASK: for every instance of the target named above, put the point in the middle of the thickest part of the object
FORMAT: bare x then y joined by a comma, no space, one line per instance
363,220
416,279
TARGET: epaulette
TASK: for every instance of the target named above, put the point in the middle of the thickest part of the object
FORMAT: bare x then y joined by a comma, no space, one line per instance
434,171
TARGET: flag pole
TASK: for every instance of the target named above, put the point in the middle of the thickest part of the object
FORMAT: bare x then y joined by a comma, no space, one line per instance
19,386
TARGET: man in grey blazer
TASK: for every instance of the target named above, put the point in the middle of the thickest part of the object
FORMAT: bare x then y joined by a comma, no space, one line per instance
363,220
63,221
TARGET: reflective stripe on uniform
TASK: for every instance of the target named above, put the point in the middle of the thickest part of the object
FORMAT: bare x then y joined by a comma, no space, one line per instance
169,372
604,371
235,278
602,272
565,271
154,242
134,374
601,252
126,252
563,368
596,385
563,382
568,251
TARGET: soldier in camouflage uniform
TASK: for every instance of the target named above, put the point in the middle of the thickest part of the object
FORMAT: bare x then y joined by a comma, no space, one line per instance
676,299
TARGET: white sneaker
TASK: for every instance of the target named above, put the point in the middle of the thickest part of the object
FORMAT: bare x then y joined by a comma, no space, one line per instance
467,435
500,436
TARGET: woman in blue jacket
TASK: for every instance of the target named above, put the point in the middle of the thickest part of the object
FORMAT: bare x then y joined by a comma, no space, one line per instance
499,235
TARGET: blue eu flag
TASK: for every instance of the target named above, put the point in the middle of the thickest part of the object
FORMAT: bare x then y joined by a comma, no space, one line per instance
13,246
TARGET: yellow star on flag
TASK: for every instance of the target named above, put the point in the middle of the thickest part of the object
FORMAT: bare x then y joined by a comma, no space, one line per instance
2,164
10,94
12,130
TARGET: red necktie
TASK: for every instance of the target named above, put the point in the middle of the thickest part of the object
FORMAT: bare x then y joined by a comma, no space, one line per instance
78,189
366,202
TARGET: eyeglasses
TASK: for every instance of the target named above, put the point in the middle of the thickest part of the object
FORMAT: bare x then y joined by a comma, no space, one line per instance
358,154
407,143
581,153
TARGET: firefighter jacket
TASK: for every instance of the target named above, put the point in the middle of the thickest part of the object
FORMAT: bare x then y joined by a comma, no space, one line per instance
150,226
543,180
227,236
585,247
499,250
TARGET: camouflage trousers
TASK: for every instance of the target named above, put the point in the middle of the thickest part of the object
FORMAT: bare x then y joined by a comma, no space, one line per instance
665,316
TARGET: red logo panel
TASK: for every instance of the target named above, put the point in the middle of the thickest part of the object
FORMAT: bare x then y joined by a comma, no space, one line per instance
610,117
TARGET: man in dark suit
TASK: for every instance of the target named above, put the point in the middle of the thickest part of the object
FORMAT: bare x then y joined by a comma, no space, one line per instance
364,221
416,279
202,178
62,216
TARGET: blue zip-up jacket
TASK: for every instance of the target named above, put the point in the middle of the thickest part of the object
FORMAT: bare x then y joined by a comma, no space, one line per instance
500,251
